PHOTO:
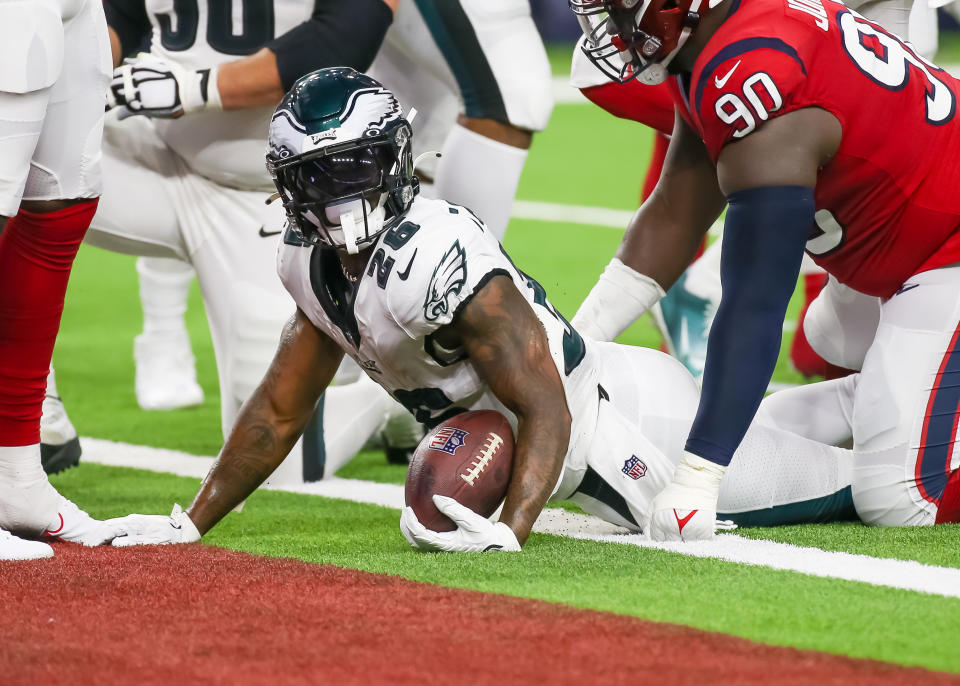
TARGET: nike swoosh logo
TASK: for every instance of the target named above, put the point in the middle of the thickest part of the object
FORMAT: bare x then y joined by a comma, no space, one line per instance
405,274
720,83
267,234
57,530
683,522
906,287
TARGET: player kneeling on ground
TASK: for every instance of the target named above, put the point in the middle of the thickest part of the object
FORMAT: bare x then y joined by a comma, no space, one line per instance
422,296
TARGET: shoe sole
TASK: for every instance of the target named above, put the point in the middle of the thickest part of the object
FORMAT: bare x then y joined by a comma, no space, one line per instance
57,458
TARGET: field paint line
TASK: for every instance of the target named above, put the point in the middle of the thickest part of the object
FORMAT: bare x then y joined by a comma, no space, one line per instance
900,574
565,94
571,214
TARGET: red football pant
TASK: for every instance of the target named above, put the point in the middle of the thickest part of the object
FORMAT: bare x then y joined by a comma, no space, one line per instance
36,255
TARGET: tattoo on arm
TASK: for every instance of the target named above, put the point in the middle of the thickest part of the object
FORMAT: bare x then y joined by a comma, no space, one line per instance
508,347
270,421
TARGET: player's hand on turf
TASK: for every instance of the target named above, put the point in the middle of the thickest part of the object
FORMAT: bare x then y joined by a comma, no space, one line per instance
156,87
474,533
686,510
137,529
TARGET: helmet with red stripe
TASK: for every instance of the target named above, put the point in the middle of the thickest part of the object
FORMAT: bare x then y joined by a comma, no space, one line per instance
636,39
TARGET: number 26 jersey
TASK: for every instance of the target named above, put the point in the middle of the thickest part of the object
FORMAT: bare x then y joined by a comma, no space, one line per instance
888,203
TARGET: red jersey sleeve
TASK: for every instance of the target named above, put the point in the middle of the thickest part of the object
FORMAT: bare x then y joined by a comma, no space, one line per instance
744,85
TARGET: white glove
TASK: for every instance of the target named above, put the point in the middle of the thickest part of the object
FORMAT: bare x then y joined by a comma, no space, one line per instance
474,533
156,87
137,529
686,510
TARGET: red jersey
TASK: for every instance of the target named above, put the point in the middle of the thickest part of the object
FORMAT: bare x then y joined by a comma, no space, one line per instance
888,203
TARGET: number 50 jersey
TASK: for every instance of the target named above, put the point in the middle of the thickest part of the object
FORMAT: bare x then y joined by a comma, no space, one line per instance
418,277
888,203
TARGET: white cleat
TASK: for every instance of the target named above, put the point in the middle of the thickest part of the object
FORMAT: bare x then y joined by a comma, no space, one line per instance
74,525
59,444
15,548
166,375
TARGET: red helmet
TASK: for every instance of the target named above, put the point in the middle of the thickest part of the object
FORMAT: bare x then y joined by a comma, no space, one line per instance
629,39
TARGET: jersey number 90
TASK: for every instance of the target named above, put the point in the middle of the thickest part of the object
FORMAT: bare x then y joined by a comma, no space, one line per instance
888,63
760,97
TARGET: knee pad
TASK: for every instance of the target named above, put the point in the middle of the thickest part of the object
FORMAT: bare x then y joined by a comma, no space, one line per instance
31,46
841,324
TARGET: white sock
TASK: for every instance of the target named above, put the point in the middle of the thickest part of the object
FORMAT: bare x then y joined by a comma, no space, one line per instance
480,173
28,503
351,414
52,384
164,284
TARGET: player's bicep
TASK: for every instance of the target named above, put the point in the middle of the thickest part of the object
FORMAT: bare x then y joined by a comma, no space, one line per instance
787,151
303,366
508,347
688,173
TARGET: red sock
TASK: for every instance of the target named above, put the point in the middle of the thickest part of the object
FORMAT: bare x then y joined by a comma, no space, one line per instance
36,254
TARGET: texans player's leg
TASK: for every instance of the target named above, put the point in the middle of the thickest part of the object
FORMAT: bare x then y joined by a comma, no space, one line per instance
495,54
166,377
38,245
841,324
822,412
906,404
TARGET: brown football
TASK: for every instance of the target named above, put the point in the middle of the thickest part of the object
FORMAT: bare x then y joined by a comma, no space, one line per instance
467,458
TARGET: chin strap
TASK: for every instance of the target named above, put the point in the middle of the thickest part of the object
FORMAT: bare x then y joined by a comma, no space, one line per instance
348,221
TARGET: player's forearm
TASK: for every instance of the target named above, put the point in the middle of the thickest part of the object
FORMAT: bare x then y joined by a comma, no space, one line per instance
657,245
257,445
253,81
116,49
538,460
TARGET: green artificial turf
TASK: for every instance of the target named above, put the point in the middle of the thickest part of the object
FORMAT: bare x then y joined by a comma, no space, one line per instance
777,607
585,157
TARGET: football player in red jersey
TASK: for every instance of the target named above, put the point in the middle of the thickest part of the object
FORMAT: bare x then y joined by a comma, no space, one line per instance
785,113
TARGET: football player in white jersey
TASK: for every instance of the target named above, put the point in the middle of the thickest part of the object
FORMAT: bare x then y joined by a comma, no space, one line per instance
55,66
477,66
185,179
422,296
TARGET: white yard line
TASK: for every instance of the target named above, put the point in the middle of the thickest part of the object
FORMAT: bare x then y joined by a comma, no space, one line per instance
571,214
900,574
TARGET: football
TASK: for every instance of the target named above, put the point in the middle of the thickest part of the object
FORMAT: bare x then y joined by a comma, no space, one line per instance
467,458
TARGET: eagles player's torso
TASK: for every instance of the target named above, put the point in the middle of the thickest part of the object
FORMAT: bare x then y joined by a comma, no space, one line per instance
226,147
886,201
418,275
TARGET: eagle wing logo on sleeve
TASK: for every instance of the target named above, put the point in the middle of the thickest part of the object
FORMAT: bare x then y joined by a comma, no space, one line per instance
447,281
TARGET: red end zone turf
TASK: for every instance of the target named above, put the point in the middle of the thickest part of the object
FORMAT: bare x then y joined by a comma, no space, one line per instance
197,614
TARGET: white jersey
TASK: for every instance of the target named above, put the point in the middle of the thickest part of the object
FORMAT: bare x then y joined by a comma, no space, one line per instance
226,147
419,275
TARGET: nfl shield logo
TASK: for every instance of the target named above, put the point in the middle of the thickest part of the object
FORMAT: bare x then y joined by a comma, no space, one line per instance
634,467
448,439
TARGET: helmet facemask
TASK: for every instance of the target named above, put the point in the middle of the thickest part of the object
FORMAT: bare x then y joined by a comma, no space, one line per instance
635,39
347,194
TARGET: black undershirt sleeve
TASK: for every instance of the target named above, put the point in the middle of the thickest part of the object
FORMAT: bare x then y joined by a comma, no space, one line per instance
130,21
340,33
